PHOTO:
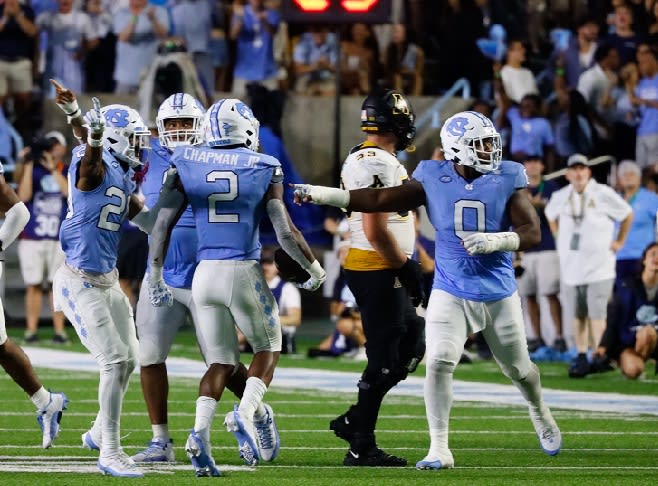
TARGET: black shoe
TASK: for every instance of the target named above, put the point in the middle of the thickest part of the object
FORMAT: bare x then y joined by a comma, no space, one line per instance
560,345
374,457
535,344
601,364
343,427
31,338
61,339
580,368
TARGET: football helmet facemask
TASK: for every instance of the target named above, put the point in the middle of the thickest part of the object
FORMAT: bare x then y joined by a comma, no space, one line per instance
388,111
180,106
470,139
231,122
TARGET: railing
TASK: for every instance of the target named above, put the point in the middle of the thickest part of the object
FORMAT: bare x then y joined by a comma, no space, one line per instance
432,115
601,159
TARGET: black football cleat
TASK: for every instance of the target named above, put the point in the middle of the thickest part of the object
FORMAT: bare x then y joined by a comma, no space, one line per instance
374,457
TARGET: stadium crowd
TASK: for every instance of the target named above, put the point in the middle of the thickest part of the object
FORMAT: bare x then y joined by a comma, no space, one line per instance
563,84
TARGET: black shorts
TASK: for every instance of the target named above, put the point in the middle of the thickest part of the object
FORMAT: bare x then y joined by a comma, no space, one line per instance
133,254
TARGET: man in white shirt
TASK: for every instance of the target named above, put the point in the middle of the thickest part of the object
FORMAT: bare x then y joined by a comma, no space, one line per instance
597,83
517,80
585,213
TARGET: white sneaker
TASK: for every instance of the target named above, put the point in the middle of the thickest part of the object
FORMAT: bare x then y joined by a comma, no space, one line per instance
245,433
547,430
268,435
119,464
158,450
50,417
443,460
88,441
360,354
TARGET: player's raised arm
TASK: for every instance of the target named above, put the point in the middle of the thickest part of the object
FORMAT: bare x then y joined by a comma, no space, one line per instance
290,238
68,103
92,169
391,199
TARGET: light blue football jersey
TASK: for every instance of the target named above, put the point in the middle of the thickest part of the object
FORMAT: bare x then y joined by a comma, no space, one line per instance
90,232
180,261
458,207
226,189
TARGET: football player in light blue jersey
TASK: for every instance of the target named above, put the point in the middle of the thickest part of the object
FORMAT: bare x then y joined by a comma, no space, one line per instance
230,188
472,199
12,358
86,286
179,122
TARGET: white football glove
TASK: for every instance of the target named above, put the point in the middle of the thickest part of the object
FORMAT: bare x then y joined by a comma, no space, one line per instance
318,276
94,118
484,243
159,292
330,196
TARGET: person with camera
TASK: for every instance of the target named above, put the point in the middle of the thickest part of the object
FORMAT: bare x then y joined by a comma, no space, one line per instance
43,188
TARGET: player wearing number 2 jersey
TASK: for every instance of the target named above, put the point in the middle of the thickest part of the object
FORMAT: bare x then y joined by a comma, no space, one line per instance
472,200
86,286
230,188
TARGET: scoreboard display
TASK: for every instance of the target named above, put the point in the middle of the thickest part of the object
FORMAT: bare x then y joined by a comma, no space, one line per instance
336,11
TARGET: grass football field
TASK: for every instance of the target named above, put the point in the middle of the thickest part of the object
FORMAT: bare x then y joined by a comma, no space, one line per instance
492,444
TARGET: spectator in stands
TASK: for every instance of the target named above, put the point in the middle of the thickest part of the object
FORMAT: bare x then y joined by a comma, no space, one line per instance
624,39
315,58
17,33
585,212
517,80
645,96
541,265
579,56
70,36
99,61
252,28
289,300
359,60
43,188
643,229
630,336
530,133
652,37
405,63
139,28
597,85
218,45
192,21
573,128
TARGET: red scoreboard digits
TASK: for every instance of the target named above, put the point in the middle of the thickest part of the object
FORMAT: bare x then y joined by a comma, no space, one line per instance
336,11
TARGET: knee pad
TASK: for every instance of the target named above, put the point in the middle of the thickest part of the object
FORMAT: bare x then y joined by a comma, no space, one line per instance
378,381
519,369
443,357
150,354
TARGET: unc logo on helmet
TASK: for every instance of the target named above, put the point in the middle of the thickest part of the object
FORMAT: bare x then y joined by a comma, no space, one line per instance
230,122
470,138
117,117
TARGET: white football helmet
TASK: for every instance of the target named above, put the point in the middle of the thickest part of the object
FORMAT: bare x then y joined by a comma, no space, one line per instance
470,138
231,122
185,106
125,133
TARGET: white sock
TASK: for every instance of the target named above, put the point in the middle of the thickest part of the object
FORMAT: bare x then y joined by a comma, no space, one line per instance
97,429
161,431
253,394
205,412
110,396
41,398
438,402
530,388
260,412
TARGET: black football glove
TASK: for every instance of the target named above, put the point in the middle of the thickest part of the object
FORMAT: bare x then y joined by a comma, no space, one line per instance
411,277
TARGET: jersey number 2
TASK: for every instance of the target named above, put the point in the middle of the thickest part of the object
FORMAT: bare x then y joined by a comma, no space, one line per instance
217,197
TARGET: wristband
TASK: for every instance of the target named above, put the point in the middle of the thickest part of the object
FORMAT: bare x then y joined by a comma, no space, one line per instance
93,142
497,75
330,196
70,108
316,270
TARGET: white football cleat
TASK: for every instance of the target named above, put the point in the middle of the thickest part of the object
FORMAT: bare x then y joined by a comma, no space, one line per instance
88,441
157,451
245,433
550,438
199,454
442,460
269,441
49,418
119,464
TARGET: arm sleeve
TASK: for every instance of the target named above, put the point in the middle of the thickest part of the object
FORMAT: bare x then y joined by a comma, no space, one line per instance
277,214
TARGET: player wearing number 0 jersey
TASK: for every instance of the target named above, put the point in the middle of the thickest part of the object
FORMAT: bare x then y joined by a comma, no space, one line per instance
230,188
472,199
86,286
